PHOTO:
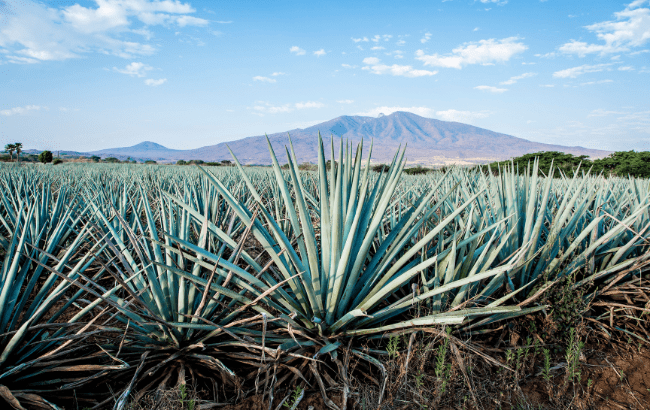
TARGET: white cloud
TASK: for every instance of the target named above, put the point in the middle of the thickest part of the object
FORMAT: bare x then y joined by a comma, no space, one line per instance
115,13
155,83
400,42
267,108
491,89
396,54
481,52
399,70
476,29
547,55
462,116
320,52
630,29
22,60
223,22
20,110
348,66
597,82
357,40
34,31
446,115
297,51
626,68
498,2
263,107
378,48
427,37
309,104
377,38
264,79
277,73
547,85
376,67
371,60
422,111
516,78
580,70
134,69
345,101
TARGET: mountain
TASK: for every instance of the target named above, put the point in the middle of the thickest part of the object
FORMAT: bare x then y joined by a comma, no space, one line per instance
428,142
144,150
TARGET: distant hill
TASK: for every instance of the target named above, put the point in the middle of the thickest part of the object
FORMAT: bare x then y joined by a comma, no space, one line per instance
145,150
428,141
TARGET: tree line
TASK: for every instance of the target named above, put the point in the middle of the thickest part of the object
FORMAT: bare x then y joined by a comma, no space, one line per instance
620,163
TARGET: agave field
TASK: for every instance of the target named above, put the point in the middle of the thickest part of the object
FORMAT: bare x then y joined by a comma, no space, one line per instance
120,280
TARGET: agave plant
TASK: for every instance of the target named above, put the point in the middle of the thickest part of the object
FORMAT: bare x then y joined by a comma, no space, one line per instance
42,353
589,227
178,280
348,262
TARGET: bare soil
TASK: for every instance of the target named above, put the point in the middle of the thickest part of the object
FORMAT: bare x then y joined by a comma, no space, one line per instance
611,379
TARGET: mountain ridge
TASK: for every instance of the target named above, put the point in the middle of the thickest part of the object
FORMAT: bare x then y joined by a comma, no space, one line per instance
428,141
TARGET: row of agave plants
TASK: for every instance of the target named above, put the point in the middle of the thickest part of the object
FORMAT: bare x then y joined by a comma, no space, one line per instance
252,279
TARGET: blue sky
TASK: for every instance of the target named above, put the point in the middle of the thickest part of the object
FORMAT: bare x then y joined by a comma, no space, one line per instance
98,74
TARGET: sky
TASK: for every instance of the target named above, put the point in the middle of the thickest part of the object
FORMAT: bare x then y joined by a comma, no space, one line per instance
88,75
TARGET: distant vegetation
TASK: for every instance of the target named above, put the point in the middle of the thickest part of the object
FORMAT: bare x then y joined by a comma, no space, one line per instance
45,157
620,163
225,162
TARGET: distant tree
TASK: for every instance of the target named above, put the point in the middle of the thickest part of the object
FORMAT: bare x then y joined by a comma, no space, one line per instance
112,160
19,148
417,170
380,167
196,161
213,164
150,161
57,161
620,163
306,166
624,163
95,158
181,162
45,157
10,148
226,162
562,162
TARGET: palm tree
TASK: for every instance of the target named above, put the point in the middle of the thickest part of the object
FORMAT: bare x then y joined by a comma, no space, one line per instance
10,148
18,146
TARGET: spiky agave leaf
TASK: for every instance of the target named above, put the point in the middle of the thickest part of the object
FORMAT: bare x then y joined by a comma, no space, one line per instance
40,341
355,268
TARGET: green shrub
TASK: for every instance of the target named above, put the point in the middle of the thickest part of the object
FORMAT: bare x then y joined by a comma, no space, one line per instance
45,157
419,170
620,163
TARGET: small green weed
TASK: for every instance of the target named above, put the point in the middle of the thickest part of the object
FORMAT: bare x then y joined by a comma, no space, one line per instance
295,398
393,347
